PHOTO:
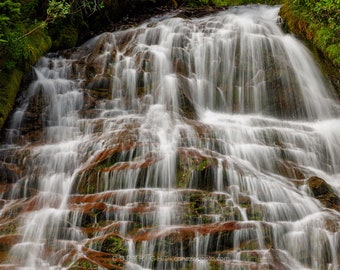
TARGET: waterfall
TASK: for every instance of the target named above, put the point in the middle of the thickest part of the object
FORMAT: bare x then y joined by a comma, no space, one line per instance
202,143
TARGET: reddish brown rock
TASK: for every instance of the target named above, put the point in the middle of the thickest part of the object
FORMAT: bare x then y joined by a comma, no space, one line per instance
324,193
290,170
187,231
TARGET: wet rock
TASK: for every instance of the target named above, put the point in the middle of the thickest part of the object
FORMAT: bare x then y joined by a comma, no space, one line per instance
324,192
199,12
90,179
100,84
298,25
110,243
195,169
285,99
87,258
32,123
277,259
98,88
83,263
8,240
188,231
186,105
6,174
89,108
290,170
92,213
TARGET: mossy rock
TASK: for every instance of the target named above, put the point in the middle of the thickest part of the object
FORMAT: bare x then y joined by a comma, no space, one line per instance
87,182
324,192
322,39
9,88
38,44
83,263
194,170
112,244
10,227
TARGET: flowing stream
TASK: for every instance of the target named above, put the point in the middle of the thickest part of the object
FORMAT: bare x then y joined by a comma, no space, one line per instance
178,144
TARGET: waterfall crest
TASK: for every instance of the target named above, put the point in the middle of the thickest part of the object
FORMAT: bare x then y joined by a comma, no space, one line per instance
205,143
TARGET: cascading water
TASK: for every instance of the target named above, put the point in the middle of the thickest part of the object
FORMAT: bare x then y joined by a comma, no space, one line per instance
208,143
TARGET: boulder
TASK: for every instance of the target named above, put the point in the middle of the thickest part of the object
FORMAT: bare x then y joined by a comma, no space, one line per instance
322,191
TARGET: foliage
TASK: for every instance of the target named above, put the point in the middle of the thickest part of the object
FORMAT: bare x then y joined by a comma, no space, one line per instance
10,30
66,30
318,21
29,9
9,13
326,12
16,47
57,9
16,27
9,83
87,7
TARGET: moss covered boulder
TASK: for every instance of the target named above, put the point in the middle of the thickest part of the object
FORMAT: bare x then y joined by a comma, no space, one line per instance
324,193
9,87
319,26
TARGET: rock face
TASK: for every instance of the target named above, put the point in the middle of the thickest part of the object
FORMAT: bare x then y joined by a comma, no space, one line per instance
307,28
134,151
11,81
9,88
7,176
84,23
324,193
74,30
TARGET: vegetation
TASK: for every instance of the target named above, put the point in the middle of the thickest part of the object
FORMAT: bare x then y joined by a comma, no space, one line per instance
317,21
9,85
20,19
29,28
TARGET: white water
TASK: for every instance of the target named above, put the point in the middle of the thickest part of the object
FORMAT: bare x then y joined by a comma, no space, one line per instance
260,103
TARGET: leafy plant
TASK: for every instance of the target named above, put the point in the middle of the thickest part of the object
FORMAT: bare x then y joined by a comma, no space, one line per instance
15,47
56,10
87,7
9,13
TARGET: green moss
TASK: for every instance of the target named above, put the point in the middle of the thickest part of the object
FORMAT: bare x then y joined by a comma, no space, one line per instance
183,177
189,168
87,182
250,257
319,26
255,214
8,228
37,45
34,46
316,23
333,52
83,264
9,87
114,245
